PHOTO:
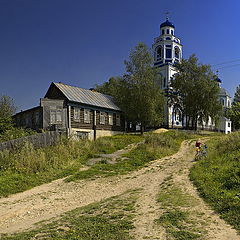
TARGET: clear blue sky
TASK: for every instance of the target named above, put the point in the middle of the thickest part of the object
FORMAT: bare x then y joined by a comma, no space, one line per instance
83,43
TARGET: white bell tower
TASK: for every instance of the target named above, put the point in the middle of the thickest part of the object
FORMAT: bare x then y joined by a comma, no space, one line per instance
167,51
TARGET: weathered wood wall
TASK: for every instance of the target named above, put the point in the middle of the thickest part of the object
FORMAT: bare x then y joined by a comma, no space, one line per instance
37,140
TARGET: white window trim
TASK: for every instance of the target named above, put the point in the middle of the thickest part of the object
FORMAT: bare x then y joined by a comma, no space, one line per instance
102,118
86,115
110,119
76,114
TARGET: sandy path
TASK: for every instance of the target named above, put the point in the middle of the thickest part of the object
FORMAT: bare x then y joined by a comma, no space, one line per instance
21,211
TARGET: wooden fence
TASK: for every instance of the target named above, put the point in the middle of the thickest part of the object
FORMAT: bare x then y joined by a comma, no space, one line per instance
37,140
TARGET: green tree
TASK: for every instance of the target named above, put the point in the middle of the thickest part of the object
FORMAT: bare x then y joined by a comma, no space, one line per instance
137,92
195,91
7,109
236,98
234,112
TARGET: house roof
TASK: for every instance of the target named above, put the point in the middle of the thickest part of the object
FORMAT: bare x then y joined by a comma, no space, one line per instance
85,96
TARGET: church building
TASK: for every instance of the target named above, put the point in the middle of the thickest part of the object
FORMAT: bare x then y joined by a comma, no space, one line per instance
167,50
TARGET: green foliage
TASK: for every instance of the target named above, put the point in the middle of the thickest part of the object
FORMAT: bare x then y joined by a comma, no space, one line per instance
218,177
11,132
137,92
236,98
108,219
29,167
234,112
7,109
195,91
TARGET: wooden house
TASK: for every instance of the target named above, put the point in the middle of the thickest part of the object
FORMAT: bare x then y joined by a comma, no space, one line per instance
79,112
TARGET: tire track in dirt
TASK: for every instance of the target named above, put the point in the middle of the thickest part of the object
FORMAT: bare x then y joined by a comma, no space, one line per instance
23,210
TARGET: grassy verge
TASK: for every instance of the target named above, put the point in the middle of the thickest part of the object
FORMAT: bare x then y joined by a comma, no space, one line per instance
30,167
109,219
179,219
155,146
217,177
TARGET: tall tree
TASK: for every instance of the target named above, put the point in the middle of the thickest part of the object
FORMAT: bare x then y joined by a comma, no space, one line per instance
195,90
137,92
236,98
7,109
234,112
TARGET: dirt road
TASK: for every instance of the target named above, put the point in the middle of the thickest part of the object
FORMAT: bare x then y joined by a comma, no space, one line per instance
21,211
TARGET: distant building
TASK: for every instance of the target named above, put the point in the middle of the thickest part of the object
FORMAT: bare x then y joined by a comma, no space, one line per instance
167,49
78,112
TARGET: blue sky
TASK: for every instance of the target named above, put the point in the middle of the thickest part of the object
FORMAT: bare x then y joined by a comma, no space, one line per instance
83,43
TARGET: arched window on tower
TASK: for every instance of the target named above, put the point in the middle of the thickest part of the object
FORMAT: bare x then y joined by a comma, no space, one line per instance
159,53
222,101
177,52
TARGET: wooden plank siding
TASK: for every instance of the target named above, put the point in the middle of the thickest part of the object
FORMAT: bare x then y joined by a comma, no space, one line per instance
106,126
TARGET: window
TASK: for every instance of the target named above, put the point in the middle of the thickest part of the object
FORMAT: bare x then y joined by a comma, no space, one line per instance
163,32
118,120
167,31
36,117
110,118
82,135
56,115
177,52
76,114
86,116
168,38
168,53
159,53
102,118
229,124
222,101
172,32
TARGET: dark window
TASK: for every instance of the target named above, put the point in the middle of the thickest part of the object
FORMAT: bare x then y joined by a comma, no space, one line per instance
177,52
168,53
168,46
118,120
229,125
163,32
159,53
168,38
172,32
167,31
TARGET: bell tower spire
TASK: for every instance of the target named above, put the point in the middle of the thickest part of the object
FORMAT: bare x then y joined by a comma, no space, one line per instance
167,49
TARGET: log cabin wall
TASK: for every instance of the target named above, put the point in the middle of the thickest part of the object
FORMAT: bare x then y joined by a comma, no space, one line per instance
80,123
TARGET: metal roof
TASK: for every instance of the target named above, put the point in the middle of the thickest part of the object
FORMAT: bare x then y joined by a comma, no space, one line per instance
85,96
224,92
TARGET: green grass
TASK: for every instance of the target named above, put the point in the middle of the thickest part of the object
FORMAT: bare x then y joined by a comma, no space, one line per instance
156,146
217,177
108,219
30,167
179,219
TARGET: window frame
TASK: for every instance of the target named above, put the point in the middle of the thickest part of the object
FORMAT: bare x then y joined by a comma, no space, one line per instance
87,115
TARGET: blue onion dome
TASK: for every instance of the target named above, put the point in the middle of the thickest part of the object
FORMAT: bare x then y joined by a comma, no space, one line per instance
218,80
167,24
